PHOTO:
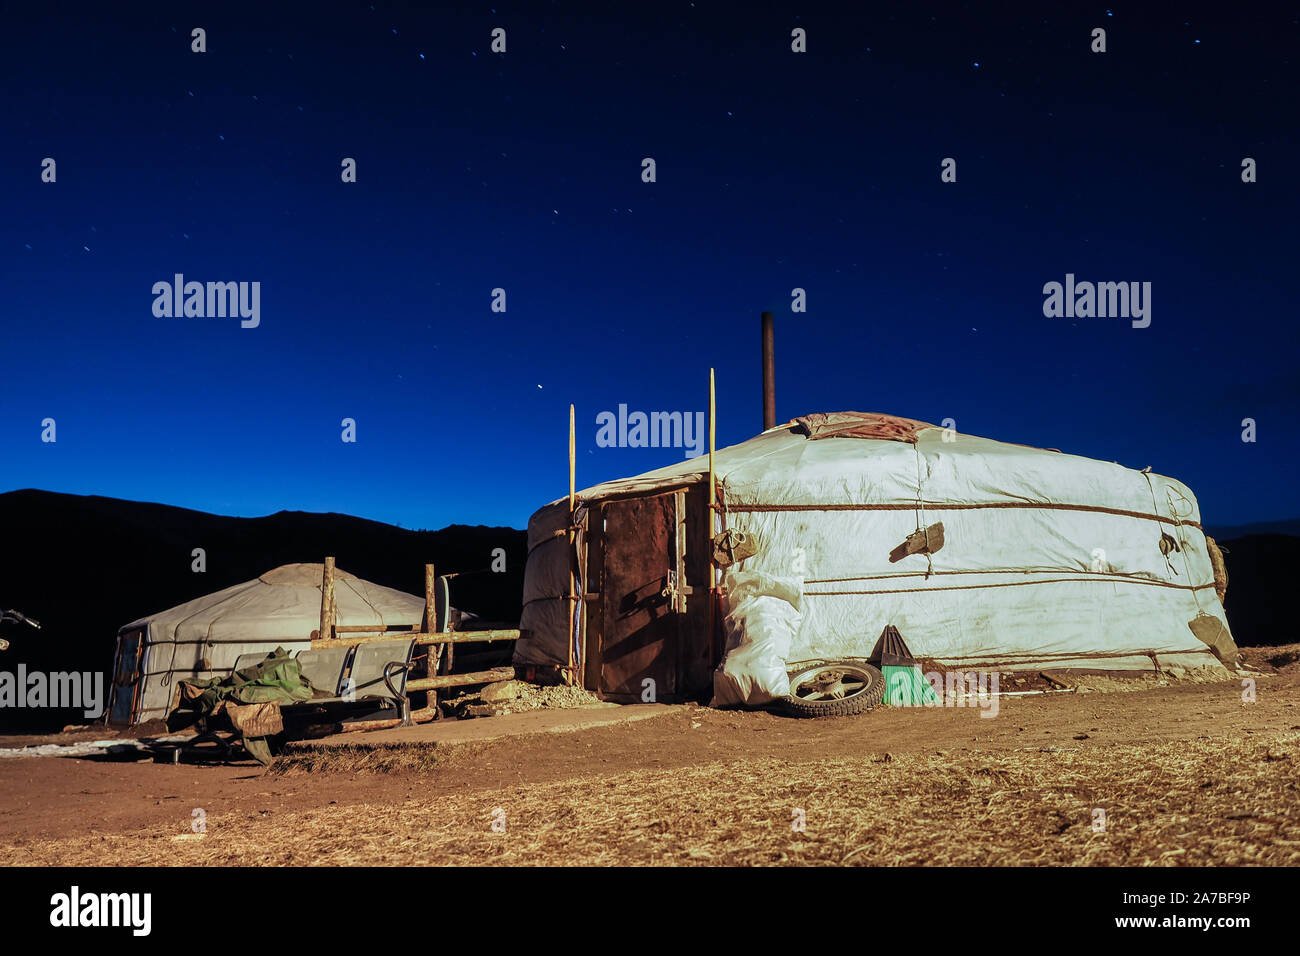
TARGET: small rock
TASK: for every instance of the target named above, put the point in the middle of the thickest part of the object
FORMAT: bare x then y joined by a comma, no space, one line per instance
501,690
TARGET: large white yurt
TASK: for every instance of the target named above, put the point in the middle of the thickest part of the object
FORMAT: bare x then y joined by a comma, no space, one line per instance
984,555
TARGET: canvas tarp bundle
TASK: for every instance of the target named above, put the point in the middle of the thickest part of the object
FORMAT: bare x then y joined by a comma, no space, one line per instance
1048,559
762,619
251,698
278,678
859,425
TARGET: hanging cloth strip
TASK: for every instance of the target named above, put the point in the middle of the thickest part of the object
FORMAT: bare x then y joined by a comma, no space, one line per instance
920,512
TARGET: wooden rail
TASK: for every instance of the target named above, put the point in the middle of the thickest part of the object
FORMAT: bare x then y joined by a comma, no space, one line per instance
422,639
373,628
460,680
331,634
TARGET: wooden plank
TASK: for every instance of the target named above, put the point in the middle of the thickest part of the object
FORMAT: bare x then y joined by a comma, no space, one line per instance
592,657
356,726
698,656
421,638
921,541
374,629
571,603
679,556
468,637
461,680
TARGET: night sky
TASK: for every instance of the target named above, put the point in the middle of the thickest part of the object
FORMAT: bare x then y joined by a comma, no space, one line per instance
775,170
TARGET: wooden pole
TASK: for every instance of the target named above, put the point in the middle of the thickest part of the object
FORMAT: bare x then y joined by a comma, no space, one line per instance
327,601
422,639
389,629
713,576
432,660
460,680
713,424
573,585
430,600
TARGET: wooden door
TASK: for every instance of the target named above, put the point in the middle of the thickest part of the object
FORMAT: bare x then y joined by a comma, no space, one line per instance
641,604
128,678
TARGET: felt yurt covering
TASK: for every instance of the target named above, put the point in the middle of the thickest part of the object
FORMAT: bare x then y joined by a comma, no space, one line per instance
203,638
1043,559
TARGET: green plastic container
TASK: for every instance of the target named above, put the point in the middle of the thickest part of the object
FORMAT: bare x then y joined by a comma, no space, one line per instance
906,686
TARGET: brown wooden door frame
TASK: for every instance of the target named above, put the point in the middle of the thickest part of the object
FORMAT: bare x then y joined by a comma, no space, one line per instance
687,655
134,684
593,587
639,621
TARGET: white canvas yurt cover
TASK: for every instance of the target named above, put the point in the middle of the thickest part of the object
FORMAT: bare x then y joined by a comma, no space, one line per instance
1047,559
203,638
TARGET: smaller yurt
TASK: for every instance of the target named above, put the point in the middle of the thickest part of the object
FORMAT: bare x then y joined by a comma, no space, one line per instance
203,638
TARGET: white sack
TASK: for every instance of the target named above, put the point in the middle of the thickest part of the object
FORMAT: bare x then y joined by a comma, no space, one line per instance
762,618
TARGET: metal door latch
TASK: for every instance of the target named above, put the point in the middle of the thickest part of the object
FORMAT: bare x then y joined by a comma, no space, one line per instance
676,592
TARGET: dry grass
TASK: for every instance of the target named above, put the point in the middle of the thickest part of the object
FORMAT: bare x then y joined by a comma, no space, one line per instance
1208,801
304,758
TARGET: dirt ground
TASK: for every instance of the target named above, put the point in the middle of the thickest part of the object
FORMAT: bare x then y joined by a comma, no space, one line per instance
1168,775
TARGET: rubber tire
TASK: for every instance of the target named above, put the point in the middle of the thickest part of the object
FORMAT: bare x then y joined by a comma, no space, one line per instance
847,707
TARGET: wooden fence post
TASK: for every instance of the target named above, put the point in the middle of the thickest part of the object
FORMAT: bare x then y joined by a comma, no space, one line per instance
327,609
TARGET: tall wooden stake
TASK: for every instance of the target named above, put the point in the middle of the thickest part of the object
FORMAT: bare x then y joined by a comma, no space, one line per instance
713,576
327,601
573,584
430,600
436,651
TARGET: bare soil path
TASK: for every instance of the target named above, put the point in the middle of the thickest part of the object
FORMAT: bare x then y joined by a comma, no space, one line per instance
1040,757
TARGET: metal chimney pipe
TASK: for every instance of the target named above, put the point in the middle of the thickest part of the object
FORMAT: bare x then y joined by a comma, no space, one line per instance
769,373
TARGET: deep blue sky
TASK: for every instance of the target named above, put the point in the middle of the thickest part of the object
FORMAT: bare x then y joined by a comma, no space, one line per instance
522,171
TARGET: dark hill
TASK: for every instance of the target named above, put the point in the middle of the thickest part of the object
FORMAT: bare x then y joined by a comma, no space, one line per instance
85,565
1229,532
1261,569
